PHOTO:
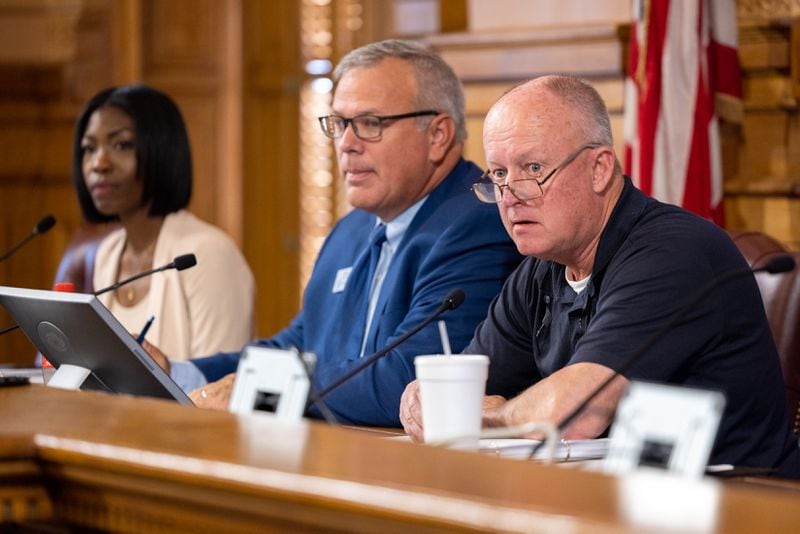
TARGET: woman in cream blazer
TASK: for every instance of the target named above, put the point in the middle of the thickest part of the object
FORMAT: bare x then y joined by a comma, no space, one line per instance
132,164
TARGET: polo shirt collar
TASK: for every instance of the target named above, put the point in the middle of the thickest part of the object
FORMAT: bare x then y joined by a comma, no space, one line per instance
630,207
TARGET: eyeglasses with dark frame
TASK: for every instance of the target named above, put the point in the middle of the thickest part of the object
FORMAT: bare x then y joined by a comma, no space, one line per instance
489,191
366,127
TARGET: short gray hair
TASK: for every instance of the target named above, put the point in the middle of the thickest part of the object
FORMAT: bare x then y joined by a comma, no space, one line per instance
438,87
587,104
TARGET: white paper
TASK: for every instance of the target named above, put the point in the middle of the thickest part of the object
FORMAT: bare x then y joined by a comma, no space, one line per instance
566,451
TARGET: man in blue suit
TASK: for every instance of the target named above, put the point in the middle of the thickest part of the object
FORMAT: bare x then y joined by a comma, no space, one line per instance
398,129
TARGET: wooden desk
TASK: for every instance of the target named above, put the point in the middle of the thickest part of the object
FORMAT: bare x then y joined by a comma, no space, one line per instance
131,464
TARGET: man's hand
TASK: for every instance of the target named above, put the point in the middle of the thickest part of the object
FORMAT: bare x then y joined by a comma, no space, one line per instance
157,355
411,412
553,398
216,395
493,410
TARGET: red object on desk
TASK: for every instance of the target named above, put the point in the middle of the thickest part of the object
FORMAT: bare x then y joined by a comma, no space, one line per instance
67,287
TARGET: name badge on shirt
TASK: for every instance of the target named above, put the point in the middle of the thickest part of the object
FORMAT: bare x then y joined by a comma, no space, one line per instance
341,279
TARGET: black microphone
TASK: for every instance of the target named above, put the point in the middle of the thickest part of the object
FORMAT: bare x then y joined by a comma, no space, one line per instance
775,265
41,227
453,300
778,264
179,263
44,225
9,328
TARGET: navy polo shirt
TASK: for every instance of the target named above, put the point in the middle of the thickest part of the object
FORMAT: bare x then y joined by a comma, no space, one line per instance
652,259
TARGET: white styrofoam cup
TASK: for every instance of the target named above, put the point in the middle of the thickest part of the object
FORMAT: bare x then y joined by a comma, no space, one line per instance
451,393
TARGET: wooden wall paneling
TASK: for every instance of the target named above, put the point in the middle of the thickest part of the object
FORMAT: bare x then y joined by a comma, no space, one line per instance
193,51
30,266
182,34
201,113
23,495
763,151
767,89
270,208
34,266
183,52
763,46
271,78
37,31
229,104
358,22
501,15
775,214
794,46
591,51
478,98
35,146
94,66
763,53
793,149
761,160
453,15
39,124
126,35
483,63
782,218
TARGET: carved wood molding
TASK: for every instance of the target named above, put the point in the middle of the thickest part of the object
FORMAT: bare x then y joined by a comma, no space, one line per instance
38,32
764,188
590,50
23,496
767,9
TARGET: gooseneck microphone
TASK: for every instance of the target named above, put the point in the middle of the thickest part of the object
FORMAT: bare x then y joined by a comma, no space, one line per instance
453,300
41,227
8,329
179,264
776,265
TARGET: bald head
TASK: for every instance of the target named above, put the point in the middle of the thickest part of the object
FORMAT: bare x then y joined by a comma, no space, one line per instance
561,100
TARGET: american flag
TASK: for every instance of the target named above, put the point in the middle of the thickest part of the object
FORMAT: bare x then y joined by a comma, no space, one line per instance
683,73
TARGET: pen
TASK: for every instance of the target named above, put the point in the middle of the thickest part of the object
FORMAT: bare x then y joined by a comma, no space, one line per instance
147,326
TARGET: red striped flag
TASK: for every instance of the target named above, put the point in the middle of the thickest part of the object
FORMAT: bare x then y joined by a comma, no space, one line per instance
683,73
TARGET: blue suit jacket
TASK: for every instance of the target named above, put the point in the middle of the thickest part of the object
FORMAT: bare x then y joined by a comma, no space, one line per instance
454,241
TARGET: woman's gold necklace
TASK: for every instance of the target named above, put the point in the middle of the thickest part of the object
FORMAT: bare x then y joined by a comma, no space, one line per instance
128,292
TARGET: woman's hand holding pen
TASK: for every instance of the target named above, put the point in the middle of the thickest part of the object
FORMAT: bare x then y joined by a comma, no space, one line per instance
152,350
143,333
